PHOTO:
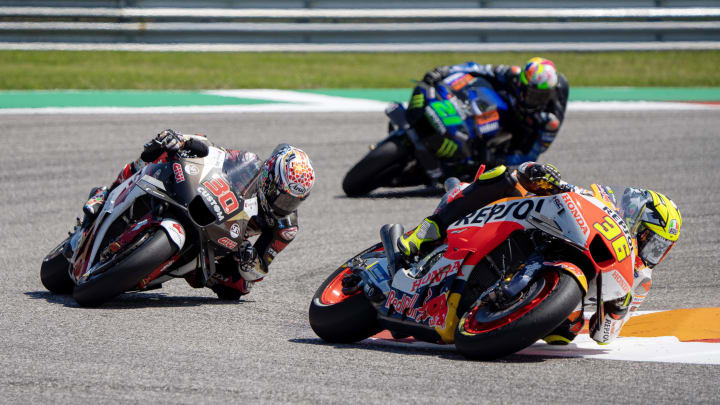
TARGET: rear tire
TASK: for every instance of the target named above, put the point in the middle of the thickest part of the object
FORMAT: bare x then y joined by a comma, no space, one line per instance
127,273
376,168
55,271
550,299
343,319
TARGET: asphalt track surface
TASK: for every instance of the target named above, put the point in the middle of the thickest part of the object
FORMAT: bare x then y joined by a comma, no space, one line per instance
182,345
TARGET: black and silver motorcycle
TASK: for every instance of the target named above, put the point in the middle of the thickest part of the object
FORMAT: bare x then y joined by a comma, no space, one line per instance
165,221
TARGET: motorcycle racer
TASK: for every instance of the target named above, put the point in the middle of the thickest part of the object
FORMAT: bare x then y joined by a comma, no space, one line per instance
536,95
280,183
653,219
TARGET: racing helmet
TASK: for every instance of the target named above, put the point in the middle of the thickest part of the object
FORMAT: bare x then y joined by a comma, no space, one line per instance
654,219
285,180
538,80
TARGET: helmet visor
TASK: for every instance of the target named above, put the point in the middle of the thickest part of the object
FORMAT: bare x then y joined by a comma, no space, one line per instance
285,204
654,248
534,98
632,207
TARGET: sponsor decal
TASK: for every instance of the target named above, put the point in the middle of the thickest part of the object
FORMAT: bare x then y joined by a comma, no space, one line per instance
215,157
250,206
215,207
433,309
221,190
575,213
191,169
435,120
179,229
297,188
461,82
402,304
288,233
179,176
488,121
228,243
512,210
620,280
235,230
436,275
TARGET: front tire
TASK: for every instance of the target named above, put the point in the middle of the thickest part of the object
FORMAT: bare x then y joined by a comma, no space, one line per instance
375,169
127,273
486,334
338,318
55,271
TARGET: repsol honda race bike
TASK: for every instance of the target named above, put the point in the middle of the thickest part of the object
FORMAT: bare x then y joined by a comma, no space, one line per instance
165,221
505,276
467,108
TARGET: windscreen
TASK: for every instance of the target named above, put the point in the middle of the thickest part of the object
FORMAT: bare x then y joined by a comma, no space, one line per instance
242,170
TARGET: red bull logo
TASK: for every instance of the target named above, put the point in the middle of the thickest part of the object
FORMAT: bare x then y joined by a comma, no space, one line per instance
434,309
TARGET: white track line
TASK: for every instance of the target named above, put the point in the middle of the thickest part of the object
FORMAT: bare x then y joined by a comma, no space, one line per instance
292,101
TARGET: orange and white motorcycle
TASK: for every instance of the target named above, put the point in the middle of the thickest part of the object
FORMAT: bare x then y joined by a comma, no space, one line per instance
505,276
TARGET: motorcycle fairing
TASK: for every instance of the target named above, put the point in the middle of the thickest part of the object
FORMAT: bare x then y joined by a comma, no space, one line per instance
117,202
582,221
162,181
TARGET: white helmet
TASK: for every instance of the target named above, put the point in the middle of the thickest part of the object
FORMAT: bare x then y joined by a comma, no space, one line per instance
286,179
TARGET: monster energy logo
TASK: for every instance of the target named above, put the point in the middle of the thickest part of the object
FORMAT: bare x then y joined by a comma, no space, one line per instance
447,148
417,101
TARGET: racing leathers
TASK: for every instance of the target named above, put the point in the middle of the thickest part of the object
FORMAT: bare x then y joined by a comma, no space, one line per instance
533,130
237,271
538,179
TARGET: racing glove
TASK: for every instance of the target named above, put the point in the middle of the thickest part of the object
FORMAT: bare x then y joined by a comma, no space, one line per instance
541,179
168,141
249,262
436,75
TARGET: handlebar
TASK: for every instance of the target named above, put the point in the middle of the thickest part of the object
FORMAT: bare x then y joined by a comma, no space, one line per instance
197,147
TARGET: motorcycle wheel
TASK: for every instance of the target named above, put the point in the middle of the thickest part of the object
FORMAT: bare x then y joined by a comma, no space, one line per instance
375,168
484,333
55,271
339,318
127,273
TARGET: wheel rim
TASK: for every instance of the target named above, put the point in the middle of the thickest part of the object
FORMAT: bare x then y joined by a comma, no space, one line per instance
333,292
472,325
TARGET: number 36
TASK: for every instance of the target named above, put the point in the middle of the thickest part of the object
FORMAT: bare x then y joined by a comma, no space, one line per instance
610,230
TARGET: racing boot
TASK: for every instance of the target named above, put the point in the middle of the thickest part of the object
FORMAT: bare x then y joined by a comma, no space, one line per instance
95,201
427,231
567,330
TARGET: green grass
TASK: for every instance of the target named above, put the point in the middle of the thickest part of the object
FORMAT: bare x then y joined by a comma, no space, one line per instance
28,70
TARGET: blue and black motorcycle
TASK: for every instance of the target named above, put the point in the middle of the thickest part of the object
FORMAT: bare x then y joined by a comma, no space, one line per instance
466,108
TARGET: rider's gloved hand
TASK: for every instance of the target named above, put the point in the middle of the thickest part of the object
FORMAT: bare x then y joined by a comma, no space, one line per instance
547,121
169,141
542,179
249,262
436,75
246,253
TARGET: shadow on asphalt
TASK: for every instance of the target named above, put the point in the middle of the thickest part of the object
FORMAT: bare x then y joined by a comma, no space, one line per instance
443,353
134,300
405,193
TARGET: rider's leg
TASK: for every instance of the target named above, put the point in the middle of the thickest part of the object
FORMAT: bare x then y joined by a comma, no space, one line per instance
490,186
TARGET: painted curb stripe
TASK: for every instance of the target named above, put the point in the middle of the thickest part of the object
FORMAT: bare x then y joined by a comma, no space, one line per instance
128,98
675,336
142,98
